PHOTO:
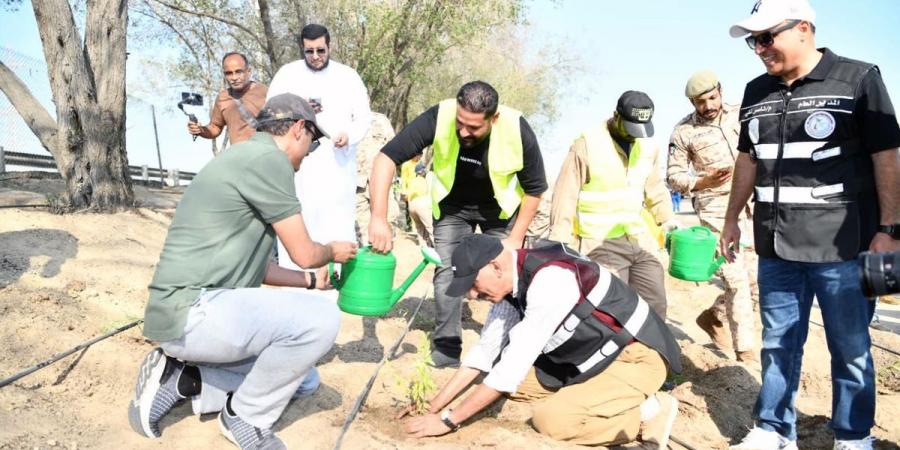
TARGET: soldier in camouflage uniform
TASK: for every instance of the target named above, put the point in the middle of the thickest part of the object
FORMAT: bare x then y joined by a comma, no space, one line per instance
379,133
707,141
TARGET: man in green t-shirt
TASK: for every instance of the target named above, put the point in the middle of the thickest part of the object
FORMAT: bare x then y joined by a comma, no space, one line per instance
224,342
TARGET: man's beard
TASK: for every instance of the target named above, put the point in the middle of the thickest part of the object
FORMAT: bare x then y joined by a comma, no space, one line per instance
314,69
471,142
711,114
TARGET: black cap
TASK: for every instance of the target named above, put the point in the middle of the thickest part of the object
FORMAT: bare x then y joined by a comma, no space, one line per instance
289,106
636,110
473,253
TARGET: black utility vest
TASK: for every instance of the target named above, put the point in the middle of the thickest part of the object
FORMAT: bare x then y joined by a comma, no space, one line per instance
608,316
814,182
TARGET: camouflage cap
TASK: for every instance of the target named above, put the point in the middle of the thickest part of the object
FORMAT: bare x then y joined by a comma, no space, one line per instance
701,83
292,107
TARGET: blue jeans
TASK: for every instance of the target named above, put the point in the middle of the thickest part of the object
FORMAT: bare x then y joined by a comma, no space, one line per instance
786,291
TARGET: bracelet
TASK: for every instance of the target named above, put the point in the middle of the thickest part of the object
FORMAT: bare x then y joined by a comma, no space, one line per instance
312,280
445,417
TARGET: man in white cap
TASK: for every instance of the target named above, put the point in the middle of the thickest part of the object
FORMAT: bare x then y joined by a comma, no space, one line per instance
818,147
706,141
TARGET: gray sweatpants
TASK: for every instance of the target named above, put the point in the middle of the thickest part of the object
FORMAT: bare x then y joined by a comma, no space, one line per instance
258,343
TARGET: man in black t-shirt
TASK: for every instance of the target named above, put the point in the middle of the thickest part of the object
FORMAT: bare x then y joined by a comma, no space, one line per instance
488,172
818,147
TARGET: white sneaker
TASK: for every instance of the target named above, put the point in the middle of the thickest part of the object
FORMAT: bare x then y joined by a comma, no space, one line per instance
855,444
760,439
656,430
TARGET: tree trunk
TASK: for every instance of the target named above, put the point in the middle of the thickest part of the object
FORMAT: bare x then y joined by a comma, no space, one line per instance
88,84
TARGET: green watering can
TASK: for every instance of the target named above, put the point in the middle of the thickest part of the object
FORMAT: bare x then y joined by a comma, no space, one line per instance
365,284
692,253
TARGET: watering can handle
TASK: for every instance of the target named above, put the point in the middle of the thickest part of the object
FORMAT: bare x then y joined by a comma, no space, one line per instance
333,276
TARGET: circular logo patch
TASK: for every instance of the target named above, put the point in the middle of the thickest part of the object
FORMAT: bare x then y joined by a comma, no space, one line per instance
753,130
819,125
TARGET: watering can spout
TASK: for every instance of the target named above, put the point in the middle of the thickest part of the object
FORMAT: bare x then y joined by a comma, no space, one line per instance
429,256
714,266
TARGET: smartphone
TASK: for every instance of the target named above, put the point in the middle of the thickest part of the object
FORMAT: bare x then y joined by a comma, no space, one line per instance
316,103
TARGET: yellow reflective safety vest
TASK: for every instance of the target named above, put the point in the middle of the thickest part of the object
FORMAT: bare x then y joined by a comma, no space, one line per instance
610,204
504,158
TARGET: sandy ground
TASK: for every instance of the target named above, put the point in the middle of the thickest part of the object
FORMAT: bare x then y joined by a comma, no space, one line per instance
67,278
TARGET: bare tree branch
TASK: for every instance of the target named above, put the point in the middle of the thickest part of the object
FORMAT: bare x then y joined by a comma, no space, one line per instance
35,115
267,32
215,17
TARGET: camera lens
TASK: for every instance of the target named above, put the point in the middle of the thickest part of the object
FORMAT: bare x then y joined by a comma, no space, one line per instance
879,273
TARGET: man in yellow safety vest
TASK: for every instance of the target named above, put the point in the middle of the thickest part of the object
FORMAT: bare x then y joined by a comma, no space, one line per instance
610,174
487,172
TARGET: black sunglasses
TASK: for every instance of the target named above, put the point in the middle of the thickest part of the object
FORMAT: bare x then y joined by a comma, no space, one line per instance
315,51
766,39
314,144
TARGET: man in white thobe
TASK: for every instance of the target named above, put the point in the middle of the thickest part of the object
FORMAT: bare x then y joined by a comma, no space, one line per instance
326,184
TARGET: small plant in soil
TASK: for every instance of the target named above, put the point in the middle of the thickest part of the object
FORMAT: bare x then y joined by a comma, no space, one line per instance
419,388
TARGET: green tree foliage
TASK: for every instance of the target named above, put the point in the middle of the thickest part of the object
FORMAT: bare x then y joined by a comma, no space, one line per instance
409,53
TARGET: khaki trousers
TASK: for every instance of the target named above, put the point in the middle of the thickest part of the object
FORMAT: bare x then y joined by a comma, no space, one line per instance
632,259
604,410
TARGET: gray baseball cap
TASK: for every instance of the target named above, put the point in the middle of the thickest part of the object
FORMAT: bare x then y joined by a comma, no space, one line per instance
289,106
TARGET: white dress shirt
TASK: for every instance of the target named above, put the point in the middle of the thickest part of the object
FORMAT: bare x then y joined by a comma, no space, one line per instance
551,296
326,181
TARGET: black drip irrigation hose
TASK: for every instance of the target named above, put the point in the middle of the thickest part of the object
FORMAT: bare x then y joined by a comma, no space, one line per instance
361,399
58,356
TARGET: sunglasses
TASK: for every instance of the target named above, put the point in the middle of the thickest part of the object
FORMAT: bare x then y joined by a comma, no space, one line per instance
314,144
315,51
766,39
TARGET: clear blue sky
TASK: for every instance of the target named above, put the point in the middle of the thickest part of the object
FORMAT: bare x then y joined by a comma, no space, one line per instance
650,45
655,45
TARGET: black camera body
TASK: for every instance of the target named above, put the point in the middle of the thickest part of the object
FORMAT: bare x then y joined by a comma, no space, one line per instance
879,273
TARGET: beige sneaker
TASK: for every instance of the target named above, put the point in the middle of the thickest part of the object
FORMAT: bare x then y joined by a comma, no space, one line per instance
656,430
708,322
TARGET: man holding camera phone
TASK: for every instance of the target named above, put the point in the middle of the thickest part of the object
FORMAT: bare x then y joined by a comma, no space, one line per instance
326,184
235,107
818,146
707,141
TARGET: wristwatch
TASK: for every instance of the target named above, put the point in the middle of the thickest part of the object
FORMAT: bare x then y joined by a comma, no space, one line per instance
445,417
892,230
312,280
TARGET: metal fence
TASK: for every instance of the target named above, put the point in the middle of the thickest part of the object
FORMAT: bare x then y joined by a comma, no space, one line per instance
139,173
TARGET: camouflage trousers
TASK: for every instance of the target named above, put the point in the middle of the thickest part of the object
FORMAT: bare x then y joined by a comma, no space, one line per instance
421,216
735,305
364,216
